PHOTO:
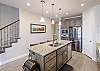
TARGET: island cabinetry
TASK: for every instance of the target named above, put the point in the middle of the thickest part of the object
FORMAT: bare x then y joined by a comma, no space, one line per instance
51,58
51,65
65,54
50,62
59,61
69,51
61,56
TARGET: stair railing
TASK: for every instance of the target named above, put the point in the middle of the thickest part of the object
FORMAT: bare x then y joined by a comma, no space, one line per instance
9,34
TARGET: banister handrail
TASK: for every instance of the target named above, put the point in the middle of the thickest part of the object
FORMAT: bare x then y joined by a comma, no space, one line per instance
9,24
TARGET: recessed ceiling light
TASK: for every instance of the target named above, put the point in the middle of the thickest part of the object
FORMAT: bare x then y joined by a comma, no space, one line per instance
47,12
56,16
82,4
28,4
67,13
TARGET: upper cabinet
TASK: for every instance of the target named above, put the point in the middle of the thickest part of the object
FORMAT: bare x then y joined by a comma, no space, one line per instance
71,22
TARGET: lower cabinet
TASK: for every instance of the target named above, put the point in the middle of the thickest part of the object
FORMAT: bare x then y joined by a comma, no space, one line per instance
69,51
62,56
51,65
65,56
59,61
53,69
55,60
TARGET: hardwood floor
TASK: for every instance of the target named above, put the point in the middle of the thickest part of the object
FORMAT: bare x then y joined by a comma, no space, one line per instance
79,62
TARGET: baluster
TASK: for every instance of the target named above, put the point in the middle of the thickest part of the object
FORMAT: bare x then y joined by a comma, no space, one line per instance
10,35
17,29
1,38
2,50
4,38
7,37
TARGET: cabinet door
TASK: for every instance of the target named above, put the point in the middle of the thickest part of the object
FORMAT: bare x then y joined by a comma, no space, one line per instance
65,55
51,65
69,51
50,56
53,69
59,61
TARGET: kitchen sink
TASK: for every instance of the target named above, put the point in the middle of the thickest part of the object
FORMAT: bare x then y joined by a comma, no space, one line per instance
55,44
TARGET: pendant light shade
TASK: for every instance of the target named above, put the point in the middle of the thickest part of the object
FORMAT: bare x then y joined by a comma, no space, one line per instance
59,22
42,19
53,22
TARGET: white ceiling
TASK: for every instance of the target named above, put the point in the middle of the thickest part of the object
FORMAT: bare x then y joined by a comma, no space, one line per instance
73,7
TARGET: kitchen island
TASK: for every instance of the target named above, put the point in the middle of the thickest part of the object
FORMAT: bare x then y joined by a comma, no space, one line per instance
51,58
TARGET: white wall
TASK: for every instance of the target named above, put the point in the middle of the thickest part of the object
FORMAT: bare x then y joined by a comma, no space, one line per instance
8,14
91,18
20,49
98,23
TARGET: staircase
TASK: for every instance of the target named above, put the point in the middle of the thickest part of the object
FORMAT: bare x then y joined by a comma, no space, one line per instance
8,35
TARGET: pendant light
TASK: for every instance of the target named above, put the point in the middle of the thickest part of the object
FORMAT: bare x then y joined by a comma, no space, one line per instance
52,20
59,22
60,17
42,18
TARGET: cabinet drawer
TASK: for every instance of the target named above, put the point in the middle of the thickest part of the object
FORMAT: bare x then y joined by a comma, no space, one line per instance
50,65
65,56
50,56
61,50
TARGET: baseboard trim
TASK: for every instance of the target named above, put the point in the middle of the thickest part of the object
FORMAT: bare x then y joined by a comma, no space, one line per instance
13,59
94,59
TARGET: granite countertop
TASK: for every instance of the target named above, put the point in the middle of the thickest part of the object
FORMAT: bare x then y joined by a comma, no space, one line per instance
44,49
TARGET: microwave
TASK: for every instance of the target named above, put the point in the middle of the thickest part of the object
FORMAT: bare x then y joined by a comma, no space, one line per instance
64,31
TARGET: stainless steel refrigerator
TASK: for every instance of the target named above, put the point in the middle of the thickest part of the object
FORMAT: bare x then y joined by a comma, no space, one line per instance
75,35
